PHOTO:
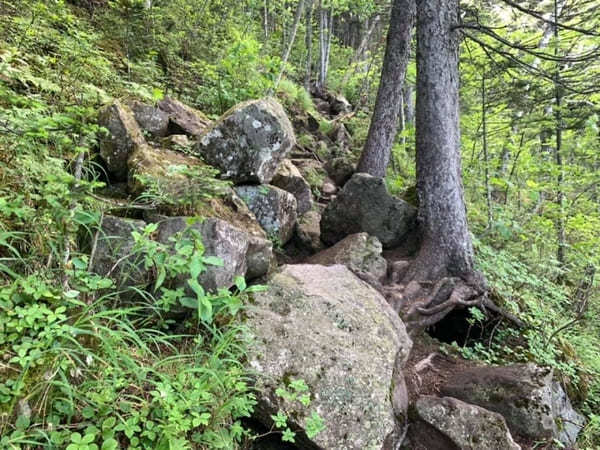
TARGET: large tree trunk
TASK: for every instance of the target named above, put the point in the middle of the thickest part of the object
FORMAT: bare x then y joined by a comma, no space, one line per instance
384,122
446,248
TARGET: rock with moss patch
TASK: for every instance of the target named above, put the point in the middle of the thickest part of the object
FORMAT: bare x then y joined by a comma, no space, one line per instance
450,424
359,252
325,326
124,136
525,394
289,178
182,118
150,118
274,208
364,204
179,142
308,230
340,170
165,167
114,257
249,141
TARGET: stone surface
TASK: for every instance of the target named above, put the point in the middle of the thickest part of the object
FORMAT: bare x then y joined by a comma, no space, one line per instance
450,424
258,257
312,171
177,142
274,208
364,204
525,394
124,136
150,118
325,326
249,141
340,170
359,252
113,257
161,166
289,178
182,118
308,230
220,239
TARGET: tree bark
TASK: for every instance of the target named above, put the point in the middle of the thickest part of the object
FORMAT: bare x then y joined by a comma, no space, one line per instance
446,248
384,122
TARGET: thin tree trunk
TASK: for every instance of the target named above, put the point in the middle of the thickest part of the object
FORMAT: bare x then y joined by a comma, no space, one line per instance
560,196
322,21
266,19
384,122
488,190
446,247
328,46
308,43
358,55
290,44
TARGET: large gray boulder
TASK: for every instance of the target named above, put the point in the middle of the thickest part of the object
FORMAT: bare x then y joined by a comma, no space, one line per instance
249,142
274,208
364,204
327,327
150,118
449,424
525,394
124,136
220,239
289,178
359,252
182,118
114,256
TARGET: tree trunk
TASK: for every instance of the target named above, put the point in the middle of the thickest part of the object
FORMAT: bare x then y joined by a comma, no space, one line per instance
290,44
446,247
358,55
384,122
322,25
308,43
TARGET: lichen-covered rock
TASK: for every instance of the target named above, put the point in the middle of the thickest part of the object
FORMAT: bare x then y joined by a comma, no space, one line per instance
525,394
114,257
274,208
220,239
150,118
340,170
327,327
308,230
124,136
182,118
359,252
289,178
249,141
450,424
160,166
364,204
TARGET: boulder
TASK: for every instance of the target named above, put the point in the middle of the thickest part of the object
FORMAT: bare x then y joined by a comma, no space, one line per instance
339,104
258,257
364,204
150,118
161,166
274,208
248,142
325,326
359,252
220,239
308,230
182,118
177,142
533,405
449,424
340,170
124,136
312,171
114,256
289,179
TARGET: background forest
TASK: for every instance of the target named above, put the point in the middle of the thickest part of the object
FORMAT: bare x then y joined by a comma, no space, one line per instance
530,96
